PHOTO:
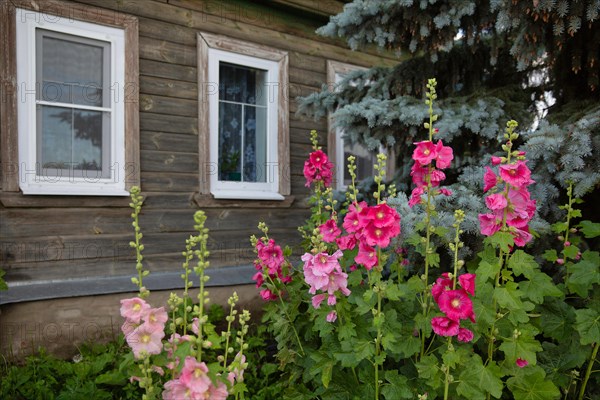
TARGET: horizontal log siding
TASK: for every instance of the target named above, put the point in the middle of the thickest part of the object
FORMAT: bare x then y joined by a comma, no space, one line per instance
54,237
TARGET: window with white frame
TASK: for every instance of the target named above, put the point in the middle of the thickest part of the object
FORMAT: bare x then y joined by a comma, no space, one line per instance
71,108
246,135
340,149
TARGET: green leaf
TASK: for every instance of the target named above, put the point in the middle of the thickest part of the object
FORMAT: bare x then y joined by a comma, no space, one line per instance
523,346
557,319
326,374
477,380
560,227
587,323
538,286
522,263
571,251
550,255
392,292
503,240
590,229
584,274
397,386
532,386
428,370
509,296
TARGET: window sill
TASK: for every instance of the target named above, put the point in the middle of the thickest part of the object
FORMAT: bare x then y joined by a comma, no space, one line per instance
11,200
210,201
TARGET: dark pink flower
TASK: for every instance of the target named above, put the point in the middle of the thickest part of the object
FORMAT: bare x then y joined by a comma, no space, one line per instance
267,295
464,335
271,256
516,174
489,224
330,231
443,326
489,179
258,277
347,242
436,177
467,282
521,236
446,192
366,256
456,304
415,196
352,221
522,363
444,155
383,215
496,202
425,152
418,173
318,158
441,284
318,168
496,160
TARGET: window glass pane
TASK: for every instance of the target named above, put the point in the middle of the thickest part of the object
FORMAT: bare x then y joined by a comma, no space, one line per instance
365,160
72,70
230,142
72,139
242,84
255,144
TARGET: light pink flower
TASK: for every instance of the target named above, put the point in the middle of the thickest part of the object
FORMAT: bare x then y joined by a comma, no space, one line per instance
318,268
338,280
194,375
496,202
332,316
522,363
176,390
425,152
456,304
145,340
218,392
444,155
330,231
464,335
318,299
516,174
489,224
443,326
156,318
489,179
134,309
128,327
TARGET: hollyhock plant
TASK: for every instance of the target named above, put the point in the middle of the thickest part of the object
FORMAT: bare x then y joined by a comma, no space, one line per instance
134,309
145,340
330,231
444,326
318,168
456,304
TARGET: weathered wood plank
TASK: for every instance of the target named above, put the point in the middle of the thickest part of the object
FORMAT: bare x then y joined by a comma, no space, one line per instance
164,141
166,70
307,77
168,87
16,200
322,7
169,182
169,161
170,123
168,105
162,50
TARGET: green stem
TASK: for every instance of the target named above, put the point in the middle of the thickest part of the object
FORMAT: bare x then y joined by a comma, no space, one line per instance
377,347
588,372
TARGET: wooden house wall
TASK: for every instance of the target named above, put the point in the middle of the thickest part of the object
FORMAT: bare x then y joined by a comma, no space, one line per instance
59,237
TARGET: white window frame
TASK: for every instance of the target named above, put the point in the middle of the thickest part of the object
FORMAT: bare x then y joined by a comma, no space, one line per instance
213,49
31,181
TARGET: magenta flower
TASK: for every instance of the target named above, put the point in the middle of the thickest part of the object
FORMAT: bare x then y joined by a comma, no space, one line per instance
441,284
330,231
318,168
332,316
347,242
271,256
464,335
419,173
134,309
267,295
444,326
444,155
467,282
456,304
366,256
522,363
446,192
496,160
318,159
415,196
516,174
496,202
425,152
489,179
489,224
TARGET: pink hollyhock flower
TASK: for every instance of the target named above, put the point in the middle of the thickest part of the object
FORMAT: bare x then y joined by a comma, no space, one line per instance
317,269
496,201
441,284
446,192
134,309
415,196
176,390
347,242
443,326
338,280
194,375
145,340
267,295
425,152
331,300
309,173
383,215
496,160
318,299
375,236
521,236
464,335
489,224
218,392
330,231
489,179
522,208
156,318
522,363
332,316
456,304
436,177
318,159
467,282
318,168
444,155
418,173
516,174
352,220
366,256
128,327
271,256
258,277
195,325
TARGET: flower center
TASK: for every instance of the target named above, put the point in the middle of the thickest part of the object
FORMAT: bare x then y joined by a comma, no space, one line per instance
380,215
137,307
145,338
323,259
426,152
377,232
355,222
198,373
318,159
371,255
455,303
